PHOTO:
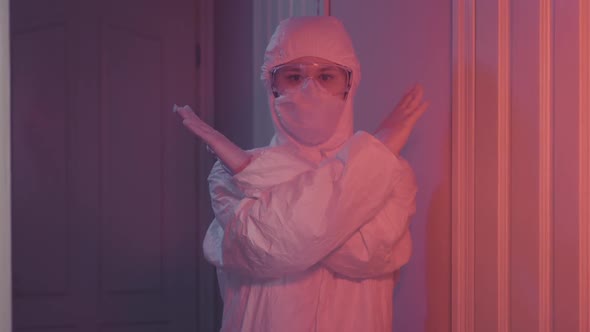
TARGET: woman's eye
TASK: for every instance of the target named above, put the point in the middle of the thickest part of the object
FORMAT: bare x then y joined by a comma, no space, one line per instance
326,77
294,78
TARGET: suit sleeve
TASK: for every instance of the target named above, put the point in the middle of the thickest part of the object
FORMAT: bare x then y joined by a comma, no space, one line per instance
295,221
384,244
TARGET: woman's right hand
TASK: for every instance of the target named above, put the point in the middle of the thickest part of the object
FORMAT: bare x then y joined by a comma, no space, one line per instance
234,158
395,130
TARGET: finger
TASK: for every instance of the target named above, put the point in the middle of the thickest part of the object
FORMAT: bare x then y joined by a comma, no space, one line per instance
200,128
199,131
196,124
188,109
425,105
193,126
187,113
180,110
418,95
418,112
408,97
177,108
188,116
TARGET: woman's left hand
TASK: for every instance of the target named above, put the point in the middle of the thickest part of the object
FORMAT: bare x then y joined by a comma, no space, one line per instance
397,126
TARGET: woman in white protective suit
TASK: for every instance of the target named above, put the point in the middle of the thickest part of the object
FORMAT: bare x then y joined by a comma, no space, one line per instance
309,231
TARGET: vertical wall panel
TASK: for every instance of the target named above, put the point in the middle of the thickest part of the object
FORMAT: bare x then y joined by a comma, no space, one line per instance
464,65
504,178
584,165
545,165
486,165
492,189
532,158
566,165
525,166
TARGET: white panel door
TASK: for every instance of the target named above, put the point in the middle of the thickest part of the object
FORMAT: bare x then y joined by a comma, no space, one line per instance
104,188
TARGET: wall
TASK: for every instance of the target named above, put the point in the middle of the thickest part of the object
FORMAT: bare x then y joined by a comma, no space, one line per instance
518,233
400,43
233,69
531,134
5,265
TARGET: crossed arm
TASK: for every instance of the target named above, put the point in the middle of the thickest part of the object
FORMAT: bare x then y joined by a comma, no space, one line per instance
350,213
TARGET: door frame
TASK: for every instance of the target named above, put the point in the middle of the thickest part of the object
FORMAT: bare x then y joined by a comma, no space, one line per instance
5,230
206,276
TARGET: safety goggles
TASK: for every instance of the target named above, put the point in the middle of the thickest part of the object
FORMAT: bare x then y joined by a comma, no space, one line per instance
336,79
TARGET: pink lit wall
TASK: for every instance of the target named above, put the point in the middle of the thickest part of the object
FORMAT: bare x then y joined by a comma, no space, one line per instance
400,43
502,157
233,56
531,137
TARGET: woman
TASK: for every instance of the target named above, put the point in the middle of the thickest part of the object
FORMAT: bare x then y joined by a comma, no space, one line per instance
309,230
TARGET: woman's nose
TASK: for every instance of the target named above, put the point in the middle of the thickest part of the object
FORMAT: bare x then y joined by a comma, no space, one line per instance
308,83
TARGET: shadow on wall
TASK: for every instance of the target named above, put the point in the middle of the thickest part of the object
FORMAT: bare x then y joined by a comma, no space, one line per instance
438,240
423,295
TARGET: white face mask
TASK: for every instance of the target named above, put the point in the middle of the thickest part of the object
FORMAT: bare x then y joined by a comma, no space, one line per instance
310,114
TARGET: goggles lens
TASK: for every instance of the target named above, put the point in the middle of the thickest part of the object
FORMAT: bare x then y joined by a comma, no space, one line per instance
334,78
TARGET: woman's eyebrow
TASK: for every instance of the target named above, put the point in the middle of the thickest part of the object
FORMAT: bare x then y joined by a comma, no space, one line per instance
292,69
328,68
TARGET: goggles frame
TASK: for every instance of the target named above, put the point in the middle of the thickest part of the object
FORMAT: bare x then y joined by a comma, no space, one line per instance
347,70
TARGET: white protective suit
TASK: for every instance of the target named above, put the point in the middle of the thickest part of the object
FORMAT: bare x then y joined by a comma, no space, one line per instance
308,238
